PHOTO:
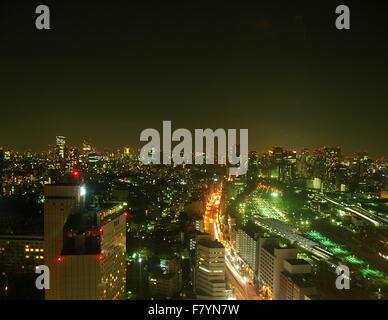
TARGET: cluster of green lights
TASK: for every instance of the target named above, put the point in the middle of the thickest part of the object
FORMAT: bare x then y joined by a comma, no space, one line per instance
354,260
367,272
130,258
315,235
336,249
259,205
326,242
135,256
130,295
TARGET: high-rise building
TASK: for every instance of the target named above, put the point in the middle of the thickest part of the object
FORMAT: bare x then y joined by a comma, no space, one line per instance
20,253
296,281
249,242
163,284
60,142
210,271
19,257
247,247
289,170
165,281
331,163
278,155
61,200
86,146
272,265
92,263
303,164
84,249
196,237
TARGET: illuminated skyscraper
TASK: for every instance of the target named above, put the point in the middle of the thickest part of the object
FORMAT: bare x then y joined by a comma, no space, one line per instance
60,142
92,263
165,281
86,146
61,200
85,248
247,247
271,266
278,155
20,253
210,270
296,281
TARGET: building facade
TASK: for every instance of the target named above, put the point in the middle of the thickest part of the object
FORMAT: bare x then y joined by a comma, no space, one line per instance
85,249
272,265
210,281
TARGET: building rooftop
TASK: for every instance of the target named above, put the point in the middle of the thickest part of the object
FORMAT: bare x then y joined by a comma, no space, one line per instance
255,231
82,231
211,244
272,247
63,184
296,262
303,280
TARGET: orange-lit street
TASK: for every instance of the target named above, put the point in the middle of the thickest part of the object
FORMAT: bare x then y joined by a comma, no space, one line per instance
242,287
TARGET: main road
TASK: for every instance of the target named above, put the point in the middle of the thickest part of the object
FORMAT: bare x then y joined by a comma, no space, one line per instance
242,288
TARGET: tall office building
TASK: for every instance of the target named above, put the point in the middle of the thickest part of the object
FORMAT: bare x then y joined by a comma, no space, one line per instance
210,271
20,253
278,155
61,200
246,245
249,242
19,256
289,159
84,249
165,280
196,237
92,263
296,281
272,265
60,142
86,146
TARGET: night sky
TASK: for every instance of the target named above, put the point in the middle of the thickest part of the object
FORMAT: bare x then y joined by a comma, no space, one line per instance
106,70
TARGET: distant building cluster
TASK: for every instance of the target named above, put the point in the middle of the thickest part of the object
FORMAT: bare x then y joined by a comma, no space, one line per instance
325,169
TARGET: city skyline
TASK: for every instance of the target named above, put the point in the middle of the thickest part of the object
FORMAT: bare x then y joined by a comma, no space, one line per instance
193,150
96,148
193,232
